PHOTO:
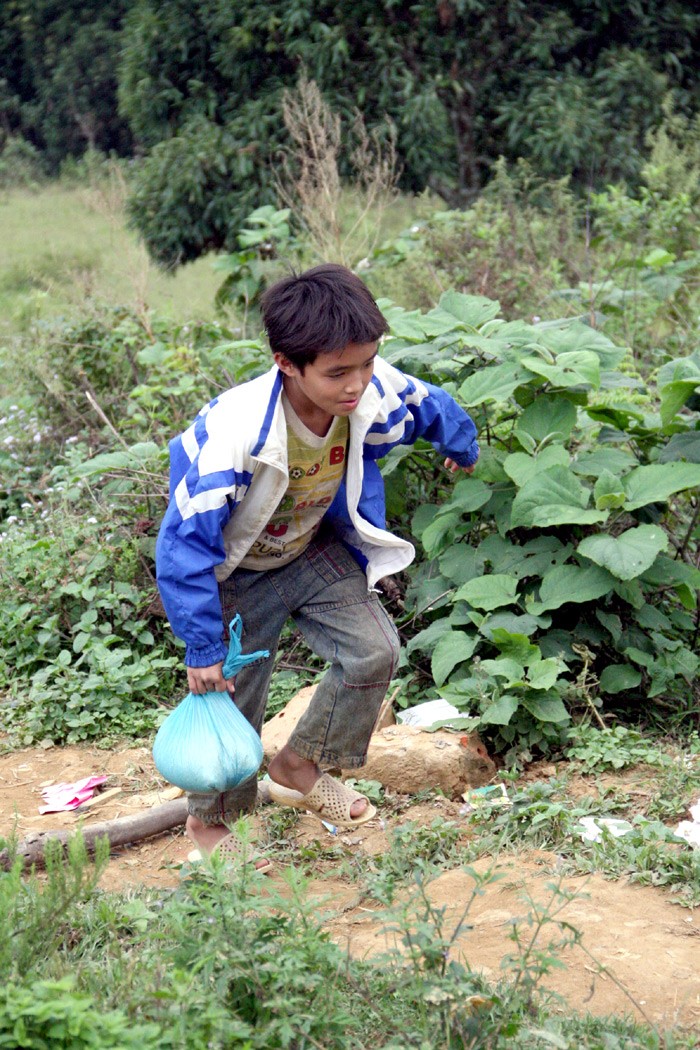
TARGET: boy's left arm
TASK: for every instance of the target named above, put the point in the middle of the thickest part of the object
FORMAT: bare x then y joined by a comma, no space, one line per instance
434,414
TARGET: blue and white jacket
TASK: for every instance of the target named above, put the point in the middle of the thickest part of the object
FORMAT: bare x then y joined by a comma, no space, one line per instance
228,472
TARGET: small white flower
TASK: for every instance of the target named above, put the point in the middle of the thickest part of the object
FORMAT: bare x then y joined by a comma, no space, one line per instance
536,319
3,421
25,506
12,519
37,439
415,229
14,408
71,440
91,521
9,440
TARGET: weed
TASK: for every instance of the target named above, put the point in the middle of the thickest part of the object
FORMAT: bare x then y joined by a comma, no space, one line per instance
615,747
413,851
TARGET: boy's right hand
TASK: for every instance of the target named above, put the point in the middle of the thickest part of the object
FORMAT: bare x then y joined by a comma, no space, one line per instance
209,680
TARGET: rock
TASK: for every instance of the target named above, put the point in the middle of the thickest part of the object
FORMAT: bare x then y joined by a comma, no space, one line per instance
277,731
402,758
409,760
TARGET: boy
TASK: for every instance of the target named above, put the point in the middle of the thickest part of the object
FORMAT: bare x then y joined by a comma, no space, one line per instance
277,510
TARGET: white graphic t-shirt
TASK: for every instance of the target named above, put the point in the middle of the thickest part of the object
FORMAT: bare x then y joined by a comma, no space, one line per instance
316,466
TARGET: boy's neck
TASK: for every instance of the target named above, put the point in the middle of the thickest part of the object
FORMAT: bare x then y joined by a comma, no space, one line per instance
316,419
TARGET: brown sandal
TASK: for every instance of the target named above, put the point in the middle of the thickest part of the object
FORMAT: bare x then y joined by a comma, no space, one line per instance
328,799
231,848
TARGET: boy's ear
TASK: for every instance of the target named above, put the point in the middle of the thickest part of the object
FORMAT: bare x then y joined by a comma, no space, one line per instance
284,364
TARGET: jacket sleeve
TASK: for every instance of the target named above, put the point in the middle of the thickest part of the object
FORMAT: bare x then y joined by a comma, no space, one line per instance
204,490
422,410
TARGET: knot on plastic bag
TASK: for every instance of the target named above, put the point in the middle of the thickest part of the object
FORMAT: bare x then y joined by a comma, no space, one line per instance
235,657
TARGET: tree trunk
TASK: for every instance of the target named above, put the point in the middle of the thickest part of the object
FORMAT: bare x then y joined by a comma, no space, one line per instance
119,832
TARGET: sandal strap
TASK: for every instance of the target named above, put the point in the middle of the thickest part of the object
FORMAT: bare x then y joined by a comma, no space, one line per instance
332,800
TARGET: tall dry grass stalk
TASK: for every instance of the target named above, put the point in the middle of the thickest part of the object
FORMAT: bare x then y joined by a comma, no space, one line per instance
106,195
342,222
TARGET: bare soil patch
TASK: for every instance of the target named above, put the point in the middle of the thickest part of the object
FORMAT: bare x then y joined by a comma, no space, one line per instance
648,944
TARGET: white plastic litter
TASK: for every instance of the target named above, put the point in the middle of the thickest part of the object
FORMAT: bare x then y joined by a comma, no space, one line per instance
591,828
690,829
428,714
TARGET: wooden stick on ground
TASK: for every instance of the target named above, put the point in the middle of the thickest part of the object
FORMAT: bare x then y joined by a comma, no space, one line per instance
119,832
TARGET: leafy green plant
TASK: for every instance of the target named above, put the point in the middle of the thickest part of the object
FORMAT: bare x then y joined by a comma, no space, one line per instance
264,236
36,915
413,851
55,1014
84,663
558,551
614,747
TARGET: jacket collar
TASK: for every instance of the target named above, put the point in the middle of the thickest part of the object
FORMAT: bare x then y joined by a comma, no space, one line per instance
271,445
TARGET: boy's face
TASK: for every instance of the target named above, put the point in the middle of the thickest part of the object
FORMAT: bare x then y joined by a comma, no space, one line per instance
332,385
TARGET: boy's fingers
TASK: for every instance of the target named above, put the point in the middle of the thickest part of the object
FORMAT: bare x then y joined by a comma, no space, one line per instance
208,680
454,467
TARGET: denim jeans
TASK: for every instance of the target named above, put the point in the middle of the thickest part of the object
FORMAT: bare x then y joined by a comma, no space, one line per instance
325,592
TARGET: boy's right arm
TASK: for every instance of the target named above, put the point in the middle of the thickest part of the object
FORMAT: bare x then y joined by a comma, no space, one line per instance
190,544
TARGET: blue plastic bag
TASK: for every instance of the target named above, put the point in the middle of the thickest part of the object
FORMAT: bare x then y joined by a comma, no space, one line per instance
206,745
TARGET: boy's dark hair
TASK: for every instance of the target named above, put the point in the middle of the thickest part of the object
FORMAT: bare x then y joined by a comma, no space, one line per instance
320,311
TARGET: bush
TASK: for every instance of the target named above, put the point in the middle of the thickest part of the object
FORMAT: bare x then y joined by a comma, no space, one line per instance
21,166
563,573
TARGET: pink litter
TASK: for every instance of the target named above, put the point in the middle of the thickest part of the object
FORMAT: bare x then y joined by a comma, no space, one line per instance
69,796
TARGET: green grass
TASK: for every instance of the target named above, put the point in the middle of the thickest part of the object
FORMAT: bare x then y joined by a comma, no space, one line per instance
65,247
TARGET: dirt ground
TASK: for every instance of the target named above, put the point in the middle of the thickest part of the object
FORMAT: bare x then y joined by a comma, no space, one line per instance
649,946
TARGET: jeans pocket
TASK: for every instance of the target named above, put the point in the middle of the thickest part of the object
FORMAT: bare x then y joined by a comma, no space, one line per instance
332,560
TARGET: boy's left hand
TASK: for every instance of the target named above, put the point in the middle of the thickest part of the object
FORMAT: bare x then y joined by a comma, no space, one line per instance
454,467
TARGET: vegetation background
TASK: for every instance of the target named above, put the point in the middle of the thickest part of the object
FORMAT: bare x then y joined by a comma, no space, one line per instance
519,185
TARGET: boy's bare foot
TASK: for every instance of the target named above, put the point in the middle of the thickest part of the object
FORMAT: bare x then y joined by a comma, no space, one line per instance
206,837
289,770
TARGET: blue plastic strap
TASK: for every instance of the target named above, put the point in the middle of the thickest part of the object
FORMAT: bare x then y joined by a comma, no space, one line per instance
235,658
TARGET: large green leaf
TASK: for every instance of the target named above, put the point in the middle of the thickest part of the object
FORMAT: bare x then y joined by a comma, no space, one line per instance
618,678
608,492
405,324
469,495
520,467
655,483
543,674
501,711
473,310
593,464
682,446
570,369
533,558
571,583
427,639
546,708
573,335
460,563
488,592
493,384
444,524
675,395
453,648
628,555
553,497
514,645
546,417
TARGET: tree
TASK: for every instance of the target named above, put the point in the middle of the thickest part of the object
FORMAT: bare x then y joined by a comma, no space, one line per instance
58,75
575,88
